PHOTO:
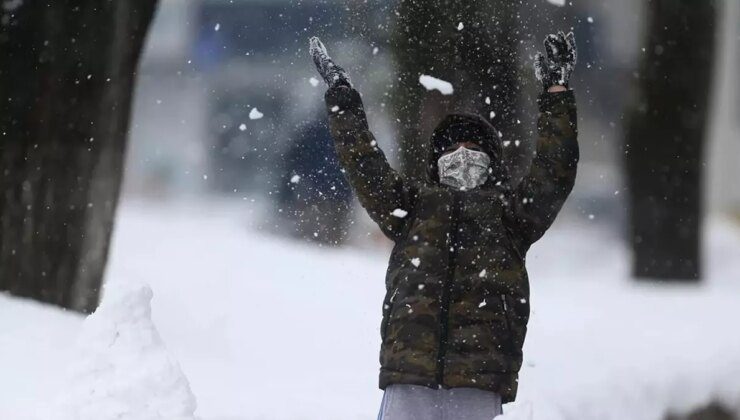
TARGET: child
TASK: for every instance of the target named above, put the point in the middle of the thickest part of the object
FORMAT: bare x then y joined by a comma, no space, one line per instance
457,303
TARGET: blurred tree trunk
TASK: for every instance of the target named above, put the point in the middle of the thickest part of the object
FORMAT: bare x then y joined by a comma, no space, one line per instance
479,59
66,78
665,139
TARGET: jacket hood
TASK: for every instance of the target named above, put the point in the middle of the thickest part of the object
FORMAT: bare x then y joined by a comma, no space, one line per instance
466,127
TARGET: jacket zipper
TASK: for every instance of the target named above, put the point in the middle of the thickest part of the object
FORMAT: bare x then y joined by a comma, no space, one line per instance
507,320
446,289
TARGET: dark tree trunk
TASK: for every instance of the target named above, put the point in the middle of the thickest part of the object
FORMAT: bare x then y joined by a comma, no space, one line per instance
66,78
665,139
480,61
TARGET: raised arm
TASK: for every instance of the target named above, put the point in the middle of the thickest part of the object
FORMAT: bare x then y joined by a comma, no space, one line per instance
380,189
540,195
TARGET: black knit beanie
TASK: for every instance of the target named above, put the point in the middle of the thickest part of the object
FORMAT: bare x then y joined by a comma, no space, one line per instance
456,128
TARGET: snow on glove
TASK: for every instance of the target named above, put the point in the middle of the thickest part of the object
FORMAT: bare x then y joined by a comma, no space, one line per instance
332,74
345,108
557,66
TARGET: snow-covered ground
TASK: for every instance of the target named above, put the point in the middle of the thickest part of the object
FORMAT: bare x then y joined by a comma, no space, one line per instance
264,328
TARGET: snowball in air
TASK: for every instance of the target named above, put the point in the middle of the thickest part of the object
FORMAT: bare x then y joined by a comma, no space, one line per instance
242,127
431,83
217,27
416,261
400,213
560,3
313,81
295,178
460,26
254,114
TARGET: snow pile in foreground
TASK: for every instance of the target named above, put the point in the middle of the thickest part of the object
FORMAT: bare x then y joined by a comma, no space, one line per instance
122,370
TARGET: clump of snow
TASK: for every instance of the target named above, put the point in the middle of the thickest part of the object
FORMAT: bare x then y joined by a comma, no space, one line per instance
217,27
122,370
416,261
242,127
460,26
313,81
335,108
431,83
295,178
254,114
560,3
375,51
400,213
590,19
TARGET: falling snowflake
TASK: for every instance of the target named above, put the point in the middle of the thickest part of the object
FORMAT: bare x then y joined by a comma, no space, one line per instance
254,114
431,83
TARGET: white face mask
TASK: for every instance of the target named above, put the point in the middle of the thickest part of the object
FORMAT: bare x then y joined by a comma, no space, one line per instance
464,168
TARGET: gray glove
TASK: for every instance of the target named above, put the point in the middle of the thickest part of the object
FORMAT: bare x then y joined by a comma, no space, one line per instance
332,74
556,68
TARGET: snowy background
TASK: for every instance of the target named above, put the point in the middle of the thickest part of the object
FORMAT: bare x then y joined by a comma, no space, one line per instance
264,328
213,311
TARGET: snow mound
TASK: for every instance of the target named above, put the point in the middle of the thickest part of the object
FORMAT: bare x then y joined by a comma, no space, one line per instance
122,369
431,83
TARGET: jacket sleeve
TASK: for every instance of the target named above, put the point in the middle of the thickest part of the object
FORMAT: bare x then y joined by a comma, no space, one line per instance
380,189
541,193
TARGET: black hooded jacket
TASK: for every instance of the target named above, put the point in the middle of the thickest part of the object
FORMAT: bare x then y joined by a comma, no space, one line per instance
457,293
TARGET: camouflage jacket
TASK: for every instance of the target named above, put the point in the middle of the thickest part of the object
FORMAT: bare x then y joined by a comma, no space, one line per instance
457,303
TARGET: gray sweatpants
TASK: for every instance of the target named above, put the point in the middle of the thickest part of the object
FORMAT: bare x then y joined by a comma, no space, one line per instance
416,402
